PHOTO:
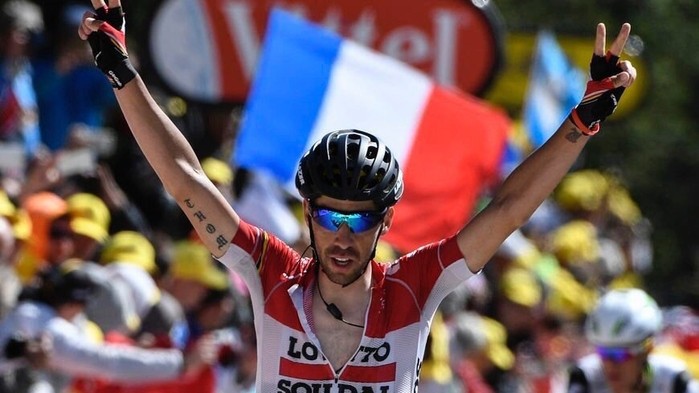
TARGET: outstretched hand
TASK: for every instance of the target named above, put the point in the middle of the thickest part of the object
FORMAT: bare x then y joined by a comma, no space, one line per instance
609,78
104,31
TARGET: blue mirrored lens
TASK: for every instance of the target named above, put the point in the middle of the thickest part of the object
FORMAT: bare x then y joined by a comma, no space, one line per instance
332,220
616,355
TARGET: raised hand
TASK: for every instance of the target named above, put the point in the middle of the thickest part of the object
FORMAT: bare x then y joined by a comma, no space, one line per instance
609,78
105,31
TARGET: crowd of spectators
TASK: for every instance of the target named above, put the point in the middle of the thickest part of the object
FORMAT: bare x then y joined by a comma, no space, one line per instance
105,288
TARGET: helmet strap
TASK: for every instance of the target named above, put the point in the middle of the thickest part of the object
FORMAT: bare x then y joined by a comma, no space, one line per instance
312,245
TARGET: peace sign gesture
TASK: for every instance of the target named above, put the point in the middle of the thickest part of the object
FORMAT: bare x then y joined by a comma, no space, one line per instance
609,79
606,64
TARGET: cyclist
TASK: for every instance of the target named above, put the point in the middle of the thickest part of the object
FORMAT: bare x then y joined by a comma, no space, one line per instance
622,327
337,321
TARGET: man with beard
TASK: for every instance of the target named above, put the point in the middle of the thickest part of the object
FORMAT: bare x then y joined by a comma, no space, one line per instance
335,320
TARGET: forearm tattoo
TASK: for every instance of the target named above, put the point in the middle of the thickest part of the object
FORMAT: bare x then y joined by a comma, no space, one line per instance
210,228
574,135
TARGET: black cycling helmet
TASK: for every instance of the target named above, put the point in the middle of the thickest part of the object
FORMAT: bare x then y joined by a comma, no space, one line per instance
350,165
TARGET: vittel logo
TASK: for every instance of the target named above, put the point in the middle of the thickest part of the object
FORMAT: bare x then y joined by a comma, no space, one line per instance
455,43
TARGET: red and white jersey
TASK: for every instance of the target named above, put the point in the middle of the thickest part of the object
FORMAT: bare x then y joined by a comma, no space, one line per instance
404,298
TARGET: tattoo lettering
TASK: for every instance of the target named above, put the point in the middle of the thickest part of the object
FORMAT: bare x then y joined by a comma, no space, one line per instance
200,216
221,241
210,228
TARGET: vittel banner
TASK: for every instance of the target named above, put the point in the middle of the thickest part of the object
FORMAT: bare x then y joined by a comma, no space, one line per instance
207,50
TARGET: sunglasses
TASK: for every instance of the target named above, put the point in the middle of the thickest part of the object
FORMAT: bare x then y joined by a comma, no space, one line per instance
616,355
357,222
622,354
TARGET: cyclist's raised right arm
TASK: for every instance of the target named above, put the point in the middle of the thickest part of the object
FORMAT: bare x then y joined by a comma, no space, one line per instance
173,159
166,149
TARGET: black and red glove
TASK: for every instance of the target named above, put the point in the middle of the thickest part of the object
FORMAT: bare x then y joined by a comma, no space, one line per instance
601,97
108,46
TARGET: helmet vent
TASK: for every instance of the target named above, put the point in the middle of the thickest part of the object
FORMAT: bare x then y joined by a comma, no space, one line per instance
350,165
620,325
377,178
371,152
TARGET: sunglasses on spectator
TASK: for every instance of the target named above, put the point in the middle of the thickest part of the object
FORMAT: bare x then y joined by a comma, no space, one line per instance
357,222
623,354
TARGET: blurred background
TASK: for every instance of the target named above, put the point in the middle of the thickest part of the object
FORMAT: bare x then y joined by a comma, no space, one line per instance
76,187
652,145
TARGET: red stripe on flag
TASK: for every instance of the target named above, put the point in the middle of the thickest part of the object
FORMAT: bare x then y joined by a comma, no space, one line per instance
228,66
370,374
305,371
456,152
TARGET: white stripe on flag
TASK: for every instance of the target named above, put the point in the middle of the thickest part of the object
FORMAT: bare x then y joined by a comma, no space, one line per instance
373,92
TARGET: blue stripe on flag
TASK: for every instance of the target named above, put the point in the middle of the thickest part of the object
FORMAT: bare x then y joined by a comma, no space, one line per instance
296,61
555,87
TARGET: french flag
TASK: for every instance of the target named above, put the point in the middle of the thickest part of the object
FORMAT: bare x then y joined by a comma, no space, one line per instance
311,81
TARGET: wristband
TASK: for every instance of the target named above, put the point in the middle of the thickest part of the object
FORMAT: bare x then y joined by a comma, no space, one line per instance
575,119
599,101
108,46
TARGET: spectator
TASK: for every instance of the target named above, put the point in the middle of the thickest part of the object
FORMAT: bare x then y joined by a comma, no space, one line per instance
436,374
480,355
622,328
20,20
90,223
51,241
9,283
15,229
127,290
53,312
72,96
193,272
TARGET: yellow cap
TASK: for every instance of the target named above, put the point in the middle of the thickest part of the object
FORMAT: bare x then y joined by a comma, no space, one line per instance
193,261
217,171
7,208
89,216
582,190
568,298
575,241
623,207
131,247
520,286
496,349
21,224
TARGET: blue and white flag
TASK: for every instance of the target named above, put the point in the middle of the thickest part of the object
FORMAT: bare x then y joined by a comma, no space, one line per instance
555,87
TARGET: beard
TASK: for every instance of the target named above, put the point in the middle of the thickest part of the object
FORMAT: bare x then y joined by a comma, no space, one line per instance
348,275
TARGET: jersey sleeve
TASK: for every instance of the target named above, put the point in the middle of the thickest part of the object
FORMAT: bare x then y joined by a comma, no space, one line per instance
432,272
261,259
438,266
